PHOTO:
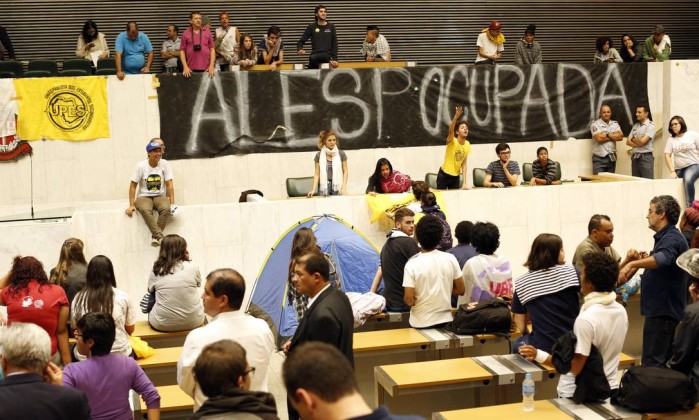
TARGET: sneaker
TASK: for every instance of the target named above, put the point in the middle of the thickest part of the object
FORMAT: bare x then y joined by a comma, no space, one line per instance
155,242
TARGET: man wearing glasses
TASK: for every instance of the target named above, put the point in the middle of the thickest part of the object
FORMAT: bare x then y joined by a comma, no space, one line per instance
502,172
222,298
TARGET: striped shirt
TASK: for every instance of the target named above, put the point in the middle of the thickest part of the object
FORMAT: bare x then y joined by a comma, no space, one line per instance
498,174
545,282
548,174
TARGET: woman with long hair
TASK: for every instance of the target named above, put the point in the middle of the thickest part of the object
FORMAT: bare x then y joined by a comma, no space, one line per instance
385,180
29,297
101,295
91,41
175,280
630,51
305,242
245,53
682,155
330,177
456,155
548,293
71,269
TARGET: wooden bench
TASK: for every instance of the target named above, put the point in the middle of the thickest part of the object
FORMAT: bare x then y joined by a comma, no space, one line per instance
370,64
161,367
482,381
174,403
159,339
543,410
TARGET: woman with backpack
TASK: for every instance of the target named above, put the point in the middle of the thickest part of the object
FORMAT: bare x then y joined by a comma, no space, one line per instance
429,205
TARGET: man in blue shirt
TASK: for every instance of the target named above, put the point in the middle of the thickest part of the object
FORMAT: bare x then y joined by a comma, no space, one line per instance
130,49
663,283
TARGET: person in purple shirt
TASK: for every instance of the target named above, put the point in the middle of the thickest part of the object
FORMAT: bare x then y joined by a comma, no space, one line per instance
106,378
197,48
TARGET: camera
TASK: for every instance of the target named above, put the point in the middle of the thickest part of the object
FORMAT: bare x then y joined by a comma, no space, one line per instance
197,47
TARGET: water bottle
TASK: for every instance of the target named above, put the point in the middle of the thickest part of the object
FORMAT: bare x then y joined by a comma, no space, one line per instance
217,68
528,393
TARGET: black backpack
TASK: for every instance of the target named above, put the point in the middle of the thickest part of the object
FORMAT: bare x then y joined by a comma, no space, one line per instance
656,390
487,317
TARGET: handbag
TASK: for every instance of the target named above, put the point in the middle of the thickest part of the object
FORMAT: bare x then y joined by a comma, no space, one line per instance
655,390
486,317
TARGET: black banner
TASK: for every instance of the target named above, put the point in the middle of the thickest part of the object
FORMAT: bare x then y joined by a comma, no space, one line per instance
264,112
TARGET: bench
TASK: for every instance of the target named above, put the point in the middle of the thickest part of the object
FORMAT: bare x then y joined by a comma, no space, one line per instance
265,67
161,367
370,64
481,381
543,410
159,339
174,404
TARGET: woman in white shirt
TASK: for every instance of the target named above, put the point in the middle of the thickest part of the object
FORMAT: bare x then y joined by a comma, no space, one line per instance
91,41
682,155
175,280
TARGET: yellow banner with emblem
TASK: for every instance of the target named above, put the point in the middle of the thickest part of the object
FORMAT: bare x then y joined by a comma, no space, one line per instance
62,108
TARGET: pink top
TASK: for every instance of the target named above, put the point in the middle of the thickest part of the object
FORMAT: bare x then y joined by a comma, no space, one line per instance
38,305
197,60
395,183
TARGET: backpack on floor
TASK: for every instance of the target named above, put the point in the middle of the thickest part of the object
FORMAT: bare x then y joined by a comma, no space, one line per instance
486,317
656,390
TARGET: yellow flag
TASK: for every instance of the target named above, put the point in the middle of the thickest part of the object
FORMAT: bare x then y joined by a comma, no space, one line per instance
62,108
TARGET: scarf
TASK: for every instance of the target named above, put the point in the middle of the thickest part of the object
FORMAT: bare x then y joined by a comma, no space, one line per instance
275,52
337,170
602,298
660,47
498,40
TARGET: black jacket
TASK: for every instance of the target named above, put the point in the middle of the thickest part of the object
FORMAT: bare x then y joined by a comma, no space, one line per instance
257,405
685,355
591,383
27,396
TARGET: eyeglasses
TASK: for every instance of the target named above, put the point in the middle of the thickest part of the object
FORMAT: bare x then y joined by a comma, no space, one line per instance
250,372
506,153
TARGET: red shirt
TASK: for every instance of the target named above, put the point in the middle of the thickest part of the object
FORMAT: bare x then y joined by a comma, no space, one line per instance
197,60
38,305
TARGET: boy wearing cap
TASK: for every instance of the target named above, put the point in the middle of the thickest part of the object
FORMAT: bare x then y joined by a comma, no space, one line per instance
685,356
657,46
153,177
528,50
490,44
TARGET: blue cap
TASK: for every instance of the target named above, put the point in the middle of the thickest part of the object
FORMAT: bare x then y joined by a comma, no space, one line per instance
153,145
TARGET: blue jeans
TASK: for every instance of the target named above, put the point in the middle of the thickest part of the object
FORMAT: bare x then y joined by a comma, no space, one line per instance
689,175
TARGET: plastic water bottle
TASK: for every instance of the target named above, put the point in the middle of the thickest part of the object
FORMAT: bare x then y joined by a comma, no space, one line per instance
528,393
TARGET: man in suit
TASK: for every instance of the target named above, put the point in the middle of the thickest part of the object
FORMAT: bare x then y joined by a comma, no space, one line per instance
329,315
26,350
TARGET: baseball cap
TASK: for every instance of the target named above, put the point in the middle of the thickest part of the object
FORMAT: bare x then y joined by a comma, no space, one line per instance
494,26
689,262
153,145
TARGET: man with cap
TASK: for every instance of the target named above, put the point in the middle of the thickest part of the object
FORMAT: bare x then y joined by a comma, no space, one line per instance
685,349
528,50
490,44
153,178
657,46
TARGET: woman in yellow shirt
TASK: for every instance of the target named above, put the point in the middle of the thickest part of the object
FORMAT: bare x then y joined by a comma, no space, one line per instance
458,149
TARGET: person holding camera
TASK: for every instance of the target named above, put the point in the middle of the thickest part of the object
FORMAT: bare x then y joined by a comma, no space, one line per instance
197,49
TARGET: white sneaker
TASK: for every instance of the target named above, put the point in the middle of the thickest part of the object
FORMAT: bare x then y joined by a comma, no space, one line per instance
155,242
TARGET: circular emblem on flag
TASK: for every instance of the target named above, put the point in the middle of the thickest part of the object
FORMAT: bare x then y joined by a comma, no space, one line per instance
69,108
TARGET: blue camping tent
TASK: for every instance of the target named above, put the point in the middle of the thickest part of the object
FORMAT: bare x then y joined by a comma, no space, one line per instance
355,256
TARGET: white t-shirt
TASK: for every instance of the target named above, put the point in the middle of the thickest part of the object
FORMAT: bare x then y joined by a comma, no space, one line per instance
250,332
489,47
485,277
432,275
227,44
603,326
685,149
123,315
151,181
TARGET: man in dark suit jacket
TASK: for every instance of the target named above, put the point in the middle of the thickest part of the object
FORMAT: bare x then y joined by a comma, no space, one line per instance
26,349
329,315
